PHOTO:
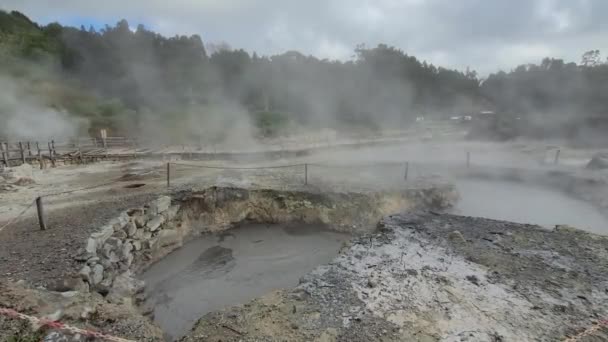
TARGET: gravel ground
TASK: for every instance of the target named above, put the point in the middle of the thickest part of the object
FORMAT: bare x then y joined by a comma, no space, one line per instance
27,253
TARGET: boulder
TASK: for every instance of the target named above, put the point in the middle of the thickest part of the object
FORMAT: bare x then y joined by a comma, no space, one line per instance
598,162
155,223
130,229
91,247
124,287
159,205
103,234
97,274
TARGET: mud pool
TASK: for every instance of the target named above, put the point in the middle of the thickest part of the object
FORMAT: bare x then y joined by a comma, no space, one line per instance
233,267
524,203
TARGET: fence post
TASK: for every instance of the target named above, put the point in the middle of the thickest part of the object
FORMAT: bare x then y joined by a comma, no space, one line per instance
305,174
22,152
39,154
40,209
407,170
51,157
556,161
29,149
468,159
168,175
4,153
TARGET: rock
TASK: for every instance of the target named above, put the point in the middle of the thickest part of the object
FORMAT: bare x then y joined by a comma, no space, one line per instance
85,273
69,294
599,161
69,284
139,220
121,234
103,234
91,247
119,222
168,237
567,228
135,212
473,279
151,243
130,229
456,237
139,234
371,283
155,223
124,287
92,261
97,275
137,245
170,213
126,251
159,205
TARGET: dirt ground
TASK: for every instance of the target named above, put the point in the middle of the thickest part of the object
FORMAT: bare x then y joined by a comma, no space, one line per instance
434,277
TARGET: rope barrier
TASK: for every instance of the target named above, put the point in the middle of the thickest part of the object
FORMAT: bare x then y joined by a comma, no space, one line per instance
238,168
35,321
587,332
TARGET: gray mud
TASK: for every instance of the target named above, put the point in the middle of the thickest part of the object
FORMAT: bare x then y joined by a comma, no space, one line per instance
525,203
232,267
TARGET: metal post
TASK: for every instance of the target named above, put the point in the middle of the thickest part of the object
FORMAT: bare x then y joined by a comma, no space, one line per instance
40,209
51,154
168,175
556,161
21,152
468,159
407,169
305,174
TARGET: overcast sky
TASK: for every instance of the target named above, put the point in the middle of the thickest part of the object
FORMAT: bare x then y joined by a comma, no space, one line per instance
486,35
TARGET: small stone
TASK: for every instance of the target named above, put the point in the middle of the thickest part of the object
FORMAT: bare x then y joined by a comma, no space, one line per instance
69,294
68,284
456,237
473,279
130,229
119,222
151,243
137,245
92,261
97,276
103,234
371,283
91,246
294,326
139,220
155,223
135,212
85,273
86,313
139,234
121,234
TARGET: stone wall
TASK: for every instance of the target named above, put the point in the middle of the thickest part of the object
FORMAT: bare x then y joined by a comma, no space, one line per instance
136,237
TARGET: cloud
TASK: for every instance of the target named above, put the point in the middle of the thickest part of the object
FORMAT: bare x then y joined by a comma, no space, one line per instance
485,35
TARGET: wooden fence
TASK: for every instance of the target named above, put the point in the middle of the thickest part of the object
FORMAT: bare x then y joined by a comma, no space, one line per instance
77,150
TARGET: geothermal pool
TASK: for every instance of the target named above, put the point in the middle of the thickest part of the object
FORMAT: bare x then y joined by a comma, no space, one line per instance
523,203
233,267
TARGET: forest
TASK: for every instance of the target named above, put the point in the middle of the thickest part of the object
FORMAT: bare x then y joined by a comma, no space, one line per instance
134,81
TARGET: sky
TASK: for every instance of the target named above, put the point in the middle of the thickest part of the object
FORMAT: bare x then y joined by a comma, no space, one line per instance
485,35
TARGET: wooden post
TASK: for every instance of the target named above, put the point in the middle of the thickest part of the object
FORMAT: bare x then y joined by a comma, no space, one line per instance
556,161
51,157
305,174
407,169
29,149
4,153
40,209
22,152
168,175
54,150
468,159
39,154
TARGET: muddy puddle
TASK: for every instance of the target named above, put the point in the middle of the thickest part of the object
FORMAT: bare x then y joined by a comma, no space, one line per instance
233,267
523,203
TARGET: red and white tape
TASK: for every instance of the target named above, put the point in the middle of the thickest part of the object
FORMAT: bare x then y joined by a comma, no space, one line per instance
39,322
589,331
